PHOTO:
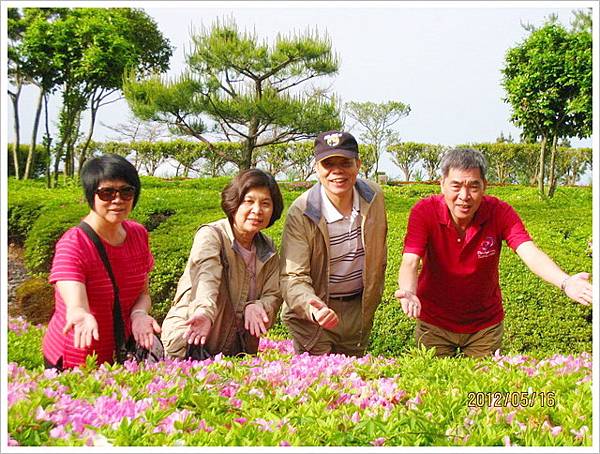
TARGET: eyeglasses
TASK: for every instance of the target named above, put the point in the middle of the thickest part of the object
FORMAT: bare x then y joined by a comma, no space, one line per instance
109,194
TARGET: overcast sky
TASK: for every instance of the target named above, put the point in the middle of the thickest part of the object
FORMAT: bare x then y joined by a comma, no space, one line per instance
443,59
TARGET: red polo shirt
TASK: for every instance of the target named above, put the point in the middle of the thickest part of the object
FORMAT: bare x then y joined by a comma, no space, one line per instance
458,285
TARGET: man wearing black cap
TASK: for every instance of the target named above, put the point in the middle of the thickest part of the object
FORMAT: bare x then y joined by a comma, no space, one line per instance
334,254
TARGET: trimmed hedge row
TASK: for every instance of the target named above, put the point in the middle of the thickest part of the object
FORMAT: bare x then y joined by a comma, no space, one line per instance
539,319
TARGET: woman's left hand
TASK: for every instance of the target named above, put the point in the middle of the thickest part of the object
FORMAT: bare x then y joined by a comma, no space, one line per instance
143,327
255,319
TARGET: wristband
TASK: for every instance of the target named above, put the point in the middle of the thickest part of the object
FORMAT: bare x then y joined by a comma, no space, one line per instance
137,310
563,284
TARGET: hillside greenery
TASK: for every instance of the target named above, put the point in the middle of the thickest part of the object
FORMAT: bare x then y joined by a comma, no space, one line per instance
539,319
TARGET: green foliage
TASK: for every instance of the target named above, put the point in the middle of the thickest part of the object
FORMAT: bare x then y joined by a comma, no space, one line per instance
406,155
548,83
42,238
516,162
241,86
539,318
277,398
25,345
40,159
21,218
86,51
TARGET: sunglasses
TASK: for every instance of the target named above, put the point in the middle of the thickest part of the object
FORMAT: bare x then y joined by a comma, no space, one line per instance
109,194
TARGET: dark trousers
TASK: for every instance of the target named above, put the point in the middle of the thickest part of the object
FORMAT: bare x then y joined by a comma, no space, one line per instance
49,365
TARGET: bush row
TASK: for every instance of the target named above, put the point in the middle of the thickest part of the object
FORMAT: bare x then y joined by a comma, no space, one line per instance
538,317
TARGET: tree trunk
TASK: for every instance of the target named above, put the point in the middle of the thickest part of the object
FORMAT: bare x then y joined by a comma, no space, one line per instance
541,171
14,97
249,145
32,144
47,142
94,106
57,157
88,139
551,177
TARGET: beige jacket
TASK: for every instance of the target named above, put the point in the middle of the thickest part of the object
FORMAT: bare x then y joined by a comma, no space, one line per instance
201,286
305,260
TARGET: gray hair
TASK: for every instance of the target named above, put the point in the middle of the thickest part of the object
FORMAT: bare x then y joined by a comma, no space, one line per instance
463,158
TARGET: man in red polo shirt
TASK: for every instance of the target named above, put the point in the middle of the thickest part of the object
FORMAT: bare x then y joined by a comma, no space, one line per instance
458,235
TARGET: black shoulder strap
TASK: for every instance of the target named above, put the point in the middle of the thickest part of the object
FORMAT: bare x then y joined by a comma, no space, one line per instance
118,325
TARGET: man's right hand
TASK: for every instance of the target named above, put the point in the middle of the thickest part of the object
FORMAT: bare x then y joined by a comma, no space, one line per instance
198,328
410,303
323,315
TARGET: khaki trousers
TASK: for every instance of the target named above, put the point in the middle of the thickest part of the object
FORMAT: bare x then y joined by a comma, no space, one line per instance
346,337
449,343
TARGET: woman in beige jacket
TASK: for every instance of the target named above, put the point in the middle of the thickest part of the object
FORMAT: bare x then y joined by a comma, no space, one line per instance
228,312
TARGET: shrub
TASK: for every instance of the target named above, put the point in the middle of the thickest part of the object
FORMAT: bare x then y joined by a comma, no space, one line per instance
35,300
538,317
21,218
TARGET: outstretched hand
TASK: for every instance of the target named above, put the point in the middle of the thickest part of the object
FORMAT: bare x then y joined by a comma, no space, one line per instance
198,328
323,315
410,303
256,319
84,326
579,288
143,327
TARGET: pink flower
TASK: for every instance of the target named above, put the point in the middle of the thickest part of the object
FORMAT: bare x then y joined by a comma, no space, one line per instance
506,440
580,434
58,432
555,430
510,417
236,403
240,420
355,418
284,443
378,441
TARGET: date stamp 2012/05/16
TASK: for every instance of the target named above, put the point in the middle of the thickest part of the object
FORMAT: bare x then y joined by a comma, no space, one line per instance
511,398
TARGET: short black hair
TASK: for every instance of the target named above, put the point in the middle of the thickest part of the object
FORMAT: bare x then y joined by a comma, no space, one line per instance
233,194
108,167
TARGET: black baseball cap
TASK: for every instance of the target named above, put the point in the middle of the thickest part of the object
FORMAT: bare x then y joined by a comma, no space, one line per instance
335,143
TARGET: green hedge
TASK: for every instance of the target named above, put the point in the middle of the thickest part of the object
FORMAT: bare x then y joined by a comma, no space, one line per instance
539,319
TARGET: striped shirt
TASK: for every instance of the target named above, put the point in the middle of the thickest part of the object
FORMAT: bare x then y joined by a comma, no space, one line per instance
346,251
76,259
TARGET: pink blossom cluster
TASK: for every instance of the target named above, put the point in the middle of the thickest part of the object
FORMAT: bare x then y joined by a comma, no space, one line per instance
562,364
344,384
19,325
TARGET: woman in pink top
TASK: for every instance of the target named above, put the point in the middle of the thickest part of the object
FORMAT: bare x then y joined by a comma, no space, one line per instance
82,323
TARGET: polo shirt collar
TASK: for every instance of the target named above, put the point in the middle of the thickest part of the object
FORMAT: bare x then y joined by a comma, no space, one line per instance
330,212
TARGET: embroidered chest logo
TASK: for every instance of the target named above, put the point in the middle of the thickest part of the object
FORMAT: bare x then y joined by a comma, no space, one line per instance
486,248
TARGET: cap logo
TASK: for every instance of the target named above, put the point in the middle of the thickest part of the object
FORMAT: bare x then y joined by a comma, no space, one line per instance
333,139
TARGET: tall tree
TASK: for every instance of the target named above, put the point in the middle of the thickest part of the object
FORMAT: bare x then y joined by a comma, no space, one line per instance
548,82
406,155
38,65
16,77
431,155
243,90
91,49
134,130
376,121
